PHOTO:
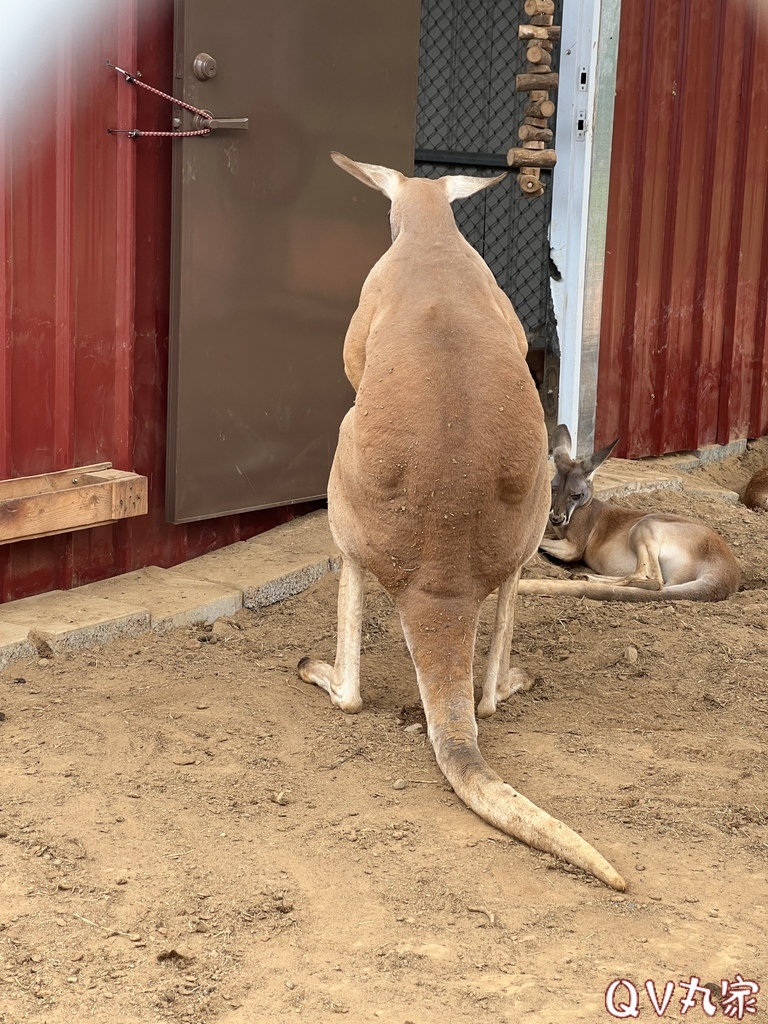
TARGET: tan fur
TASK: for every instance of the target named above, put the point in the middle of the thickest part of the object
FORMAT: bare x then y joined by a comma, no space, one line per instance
638,556
439,486
756,493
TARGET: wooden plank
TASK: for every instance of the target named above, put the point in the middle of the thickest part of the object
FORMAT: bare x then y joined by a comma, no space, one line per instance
129,493
23,486
97,499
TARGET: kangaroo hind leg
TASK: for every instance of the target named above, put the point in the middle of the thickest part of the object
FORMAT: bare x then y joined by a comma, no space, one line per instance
647,574
501,681
341,681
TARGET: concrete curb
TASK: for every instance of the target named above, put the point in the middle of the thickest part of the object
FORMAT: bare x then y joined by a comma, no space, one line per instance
274,565
171,598
69,620
14,644
252,574
620,477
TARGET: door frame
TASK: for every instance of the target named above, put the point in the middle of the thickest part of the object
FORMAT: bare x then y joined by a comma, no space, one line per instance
588,49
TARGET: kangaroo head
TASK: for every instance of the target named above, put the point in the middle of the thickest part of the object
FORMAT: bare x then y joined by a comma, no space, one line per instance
428,199
572,485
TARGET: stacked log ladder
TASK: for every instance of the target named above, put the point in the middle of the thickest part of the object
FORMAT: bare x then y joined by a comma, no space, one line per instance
532,154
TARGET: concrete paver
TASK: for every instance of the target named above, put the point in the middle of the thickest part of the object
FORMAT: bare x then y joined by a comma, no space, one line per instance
274,565
68,619
172,598
718,452
14,643
705,490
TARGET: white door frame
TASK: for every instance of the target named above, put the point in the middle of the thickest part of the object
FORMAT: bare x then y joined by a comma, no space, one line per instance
585,100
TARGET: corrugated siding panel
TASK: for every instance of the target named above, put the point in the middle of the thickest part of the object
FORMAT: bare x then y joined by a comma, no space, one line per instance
85,233
682,352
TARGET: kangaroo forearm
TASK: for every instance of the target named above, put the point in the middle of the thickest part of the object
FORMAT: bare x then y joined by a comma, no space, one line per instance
564,550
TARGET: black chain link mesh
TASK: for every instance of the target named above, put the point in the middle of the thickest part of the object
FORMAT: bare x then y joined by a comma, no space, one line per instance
468,111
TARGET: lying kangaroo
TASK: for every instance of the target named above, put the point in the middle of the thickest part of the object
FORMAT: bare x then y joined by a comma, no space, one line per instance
756,493
439,486
640,557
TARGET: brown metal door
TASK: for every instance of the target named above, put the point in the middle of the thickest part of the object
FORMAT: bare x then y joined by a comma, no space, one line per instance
271,240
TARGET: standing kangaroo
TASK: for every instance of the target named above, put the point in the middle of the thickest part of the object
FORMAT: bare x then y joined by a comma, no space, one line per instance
439,486
640,557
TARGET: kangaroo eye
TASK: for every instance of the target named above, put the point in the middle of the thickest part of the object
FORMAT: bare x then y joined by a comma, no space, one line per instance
575,494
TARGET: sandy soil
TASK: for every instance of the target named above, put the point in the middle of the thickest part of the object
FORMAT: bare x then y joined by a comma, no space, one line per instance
190,834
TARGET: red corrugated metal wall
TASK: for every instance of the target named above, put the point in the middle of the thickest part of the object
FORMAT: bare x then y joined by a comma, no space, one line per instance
84,228
683,338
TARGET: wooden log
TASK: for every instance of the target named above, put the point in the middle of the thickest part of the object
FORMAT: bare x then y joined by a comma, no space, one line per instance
542,20
538,94
526,83
537,69
536,122
530,185
537,55
539,109
538,32
529,133
519,157
533,144
534,7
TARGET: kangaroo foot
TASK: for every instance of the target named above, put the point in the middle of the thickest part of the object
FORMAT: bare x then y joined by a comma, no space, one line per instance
348,699
514,681
642,582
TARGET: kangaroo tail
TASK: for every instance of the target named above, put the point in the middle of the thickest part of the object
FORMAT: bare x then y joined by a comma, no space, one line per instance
706,588
496,802
444,673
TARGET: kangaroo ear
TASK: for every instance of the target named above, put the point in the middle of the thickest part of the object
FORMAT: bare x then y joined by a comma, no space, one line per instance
594,462
561,438
382,178
459,186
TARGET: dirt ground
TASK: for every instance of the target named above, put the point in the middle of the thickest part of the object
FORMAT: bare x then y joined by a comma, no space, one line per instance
190,834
